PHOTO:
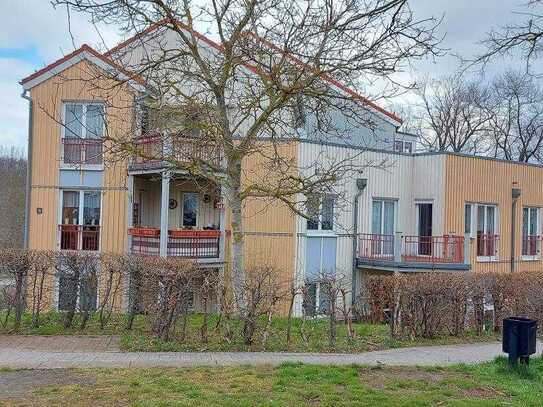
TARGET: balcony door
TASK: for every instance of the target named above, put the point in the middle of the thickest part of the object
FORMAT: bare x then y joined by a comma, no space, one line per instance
382,225
424,228
80,220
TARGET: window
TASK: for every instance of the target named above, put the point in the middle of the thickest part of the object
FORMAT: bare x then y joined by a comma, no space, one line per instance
467,219
382,225
80,220
530,232
486,231
401,146
190,210
82,133
320,211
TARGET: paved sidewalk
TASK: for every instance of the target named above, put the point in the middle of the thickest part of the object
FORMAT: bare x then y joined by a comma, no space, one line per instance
18,357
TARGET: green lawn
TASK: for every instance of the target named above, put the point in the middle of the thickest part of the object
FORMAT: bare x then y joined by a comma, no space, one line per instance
368,337
489,384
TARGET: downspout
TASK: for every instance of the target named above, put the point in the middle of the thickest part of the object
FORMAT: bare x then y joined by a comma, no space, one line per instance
515,194
360,186
28,169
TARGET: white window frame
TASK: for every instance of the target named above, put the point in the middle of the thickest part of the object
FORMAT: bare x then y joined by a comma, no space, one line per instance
403,146
80,210
319,230
495,257
537,256
395,207
85,104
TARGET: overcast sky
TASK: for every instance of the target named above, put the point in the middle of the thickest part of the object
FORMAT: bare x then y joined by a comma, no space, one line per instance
34,34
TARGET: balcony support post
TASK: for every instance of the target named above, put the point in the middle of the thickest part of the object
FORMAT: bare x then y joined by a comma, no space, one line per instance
222,226
398,247
164,209
467,248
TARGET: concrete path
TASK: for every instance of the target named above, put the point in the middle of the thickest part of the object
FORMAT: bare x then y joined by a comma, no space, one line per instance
35,352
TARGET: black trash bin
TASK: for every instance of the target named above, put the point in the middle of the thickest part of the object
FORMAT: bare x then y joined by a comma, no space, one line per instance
519,338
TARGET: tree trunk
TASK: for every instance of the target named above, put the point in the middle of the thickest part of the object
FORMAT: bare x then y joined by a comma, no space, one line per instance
238,250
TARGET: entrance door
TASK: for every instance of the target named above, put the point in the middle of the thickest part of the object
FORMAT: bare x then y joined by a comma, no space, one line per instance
424,214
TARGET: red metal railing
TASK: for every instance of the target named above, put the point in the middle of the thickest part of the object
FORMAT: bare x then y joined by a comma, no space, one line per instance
193,244
79,237
530,245
487,245
433,249
82,151
151,149
376,247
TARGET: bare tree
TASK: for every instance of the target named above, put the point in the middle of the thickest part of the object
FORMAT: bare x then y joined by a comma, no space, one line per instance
523,39
517,118
12,184
455,115
272,76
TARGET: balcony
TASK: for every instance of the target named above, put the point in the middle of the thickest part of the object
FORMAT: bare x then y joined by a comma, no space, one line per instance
154,149
445,252
79,237
78,151
188,244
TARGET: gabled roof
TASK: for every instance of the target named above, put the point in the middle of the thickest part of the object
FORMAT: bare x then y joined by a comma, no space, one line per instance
355,95
83,53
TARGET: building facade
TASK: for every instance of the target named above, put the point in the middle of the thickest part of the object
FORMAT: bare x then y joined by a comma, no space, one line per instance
402,211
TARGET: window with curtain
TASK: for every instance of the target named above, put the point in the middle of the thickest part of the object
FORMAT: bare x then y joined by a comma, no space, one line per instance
320,211
530,231
486,230
70,208
84,125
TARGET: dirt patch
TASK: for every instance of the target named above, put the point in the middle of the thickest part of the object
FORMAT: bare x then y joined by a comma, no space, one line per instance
18,383
379,378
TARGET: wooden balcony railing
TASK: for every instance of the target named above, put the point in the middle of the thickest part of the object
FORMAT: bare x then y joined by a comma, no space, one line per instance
79,237
190,244
153,149
82,151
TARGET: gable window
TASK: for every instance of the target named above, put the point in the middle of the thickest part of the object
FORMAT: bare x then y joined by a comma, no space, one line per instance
487,246
401,146
530,233
83,131
320,210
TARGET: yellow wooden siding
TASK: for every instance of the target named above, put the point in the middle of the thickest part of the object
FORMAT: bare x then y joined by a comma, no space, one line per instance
269,224
477,180
75,83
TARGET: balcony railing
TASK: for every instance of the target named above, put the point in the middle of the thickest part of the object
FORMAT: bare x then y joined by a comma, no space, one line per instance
153,149
79,237
412,249
190,244
531,245
434,249
82,151
378,247
487,245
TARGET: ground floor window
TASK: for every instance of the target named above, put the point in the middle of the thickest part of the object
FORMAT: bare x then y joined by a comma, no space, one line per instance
530,232
80,220
78,291
486,230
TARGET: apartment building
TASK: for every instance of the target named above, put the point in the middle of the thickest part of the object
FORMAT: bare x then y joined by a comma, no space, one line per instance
415,212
